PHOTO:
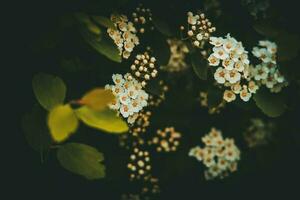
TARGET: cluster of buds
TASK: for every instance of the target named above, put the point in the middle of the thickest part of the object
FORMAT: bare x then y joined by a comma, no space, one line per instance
144,68
142,17
134,137
219,155
123,34
258,133
178,50
155,101
139,165
199,29
166,140
149,189
204,103
151,186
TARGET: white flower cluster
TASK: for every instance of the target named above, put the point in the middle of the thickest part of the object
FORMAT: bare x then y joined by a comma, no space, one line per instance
219,155
199,29
231,55
267,73
141,17
130,97
178,50
144,68
258,133
124,35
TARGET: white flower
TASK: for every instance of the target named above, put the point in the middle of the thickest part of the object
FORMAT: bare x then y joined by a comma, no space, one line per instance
220,53
244,58
220,156
124,98
125,110
239,66
269,82
260,72
252,87
233,76
130,98
244,94
192,19
229,96
220,75
118,79
128,46
228,64
213,61
124,35
229,44
216,41
236,88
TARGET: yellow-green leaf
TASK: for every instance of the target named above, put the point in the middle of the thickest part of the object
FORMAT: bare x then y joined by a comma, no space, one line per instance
82,159
62,122
49,90
97,99
106,120
104,21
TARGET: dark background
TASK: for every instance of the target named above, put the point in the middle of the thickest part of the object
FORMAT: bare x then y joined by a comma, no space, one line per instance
268,171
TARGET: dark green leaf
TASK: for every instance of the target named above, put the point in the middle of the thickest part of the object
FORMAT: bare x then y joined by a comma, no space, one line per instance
161,49
36,131
199,65
49,90
162,27
271,104
102,43
266,28
103,21
288,45
82,159
214,97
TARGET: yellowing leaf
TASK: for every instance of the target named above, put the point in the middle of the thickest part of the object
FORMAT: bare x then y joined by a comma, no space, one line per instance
106,120
97,99
62,122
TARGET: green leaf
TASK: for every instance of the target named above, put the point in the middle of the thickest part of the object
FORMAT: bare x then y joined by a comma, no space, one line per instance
199,65
271,104
288,46
161,49
72,65
36,131
104,21
266,28
49,90
101,43
62,122
106,120
82,159
162,26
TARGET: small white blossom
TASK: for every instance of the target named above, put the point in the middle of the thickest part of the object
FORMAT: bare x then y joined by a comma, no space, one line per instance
130,97
267,73
124,35
229,96
220,75
219,155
